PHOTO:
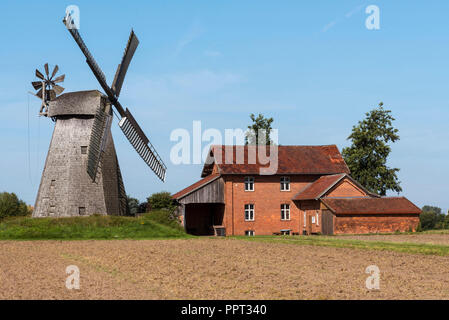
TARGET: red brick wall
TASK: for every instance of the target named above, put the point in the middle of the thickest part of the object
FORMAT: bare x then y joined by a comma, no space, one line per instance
267,199
346,189
310,208
375,223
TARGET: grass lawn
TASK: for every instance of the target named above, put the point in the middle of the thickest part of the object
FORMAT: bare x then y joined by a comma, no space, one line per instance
329,241
149,226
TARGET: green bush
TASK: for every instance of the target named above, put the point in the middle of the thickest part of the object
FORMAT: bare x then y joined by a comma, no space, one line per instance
11,206
419,228
165,217
161,200
432,218
133,205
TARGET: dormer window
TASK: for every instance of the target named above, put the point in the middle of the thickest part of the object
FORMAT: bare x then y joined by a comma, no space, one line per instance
285,183
249,183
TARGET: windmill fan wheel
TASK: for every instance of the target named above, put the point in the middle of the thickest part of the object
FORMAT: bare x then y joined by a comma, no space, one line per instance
48,84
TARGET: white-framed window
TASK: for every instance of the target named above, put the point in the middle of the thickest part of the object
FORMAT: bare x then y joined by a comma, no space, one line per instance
313,219
249,212
285,183
317,218
285,211
285,232
249,183
249,233
305,219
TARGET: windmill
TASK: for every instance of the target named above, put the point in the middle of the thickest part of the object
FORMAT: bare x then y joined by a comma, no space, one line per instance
82,174
47,87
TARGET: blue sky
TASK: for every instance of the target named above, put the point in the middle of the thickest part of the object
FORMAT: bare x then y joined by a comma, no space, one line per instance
312,66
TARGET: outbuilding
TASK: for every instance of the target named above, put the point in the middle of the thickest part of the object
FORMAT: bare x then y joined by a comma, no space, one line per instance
309,192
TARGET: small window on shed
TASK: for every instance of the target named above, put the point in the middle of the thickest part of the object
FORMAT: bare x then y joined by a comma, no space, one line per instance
83,149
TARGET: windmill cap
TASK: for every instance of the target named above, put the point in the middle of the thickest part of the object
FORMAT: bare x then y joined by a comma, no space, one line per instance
76,103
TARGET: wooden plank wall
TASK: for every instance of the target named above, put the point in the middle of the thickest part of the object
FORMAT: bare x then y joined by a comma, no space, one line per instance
211,193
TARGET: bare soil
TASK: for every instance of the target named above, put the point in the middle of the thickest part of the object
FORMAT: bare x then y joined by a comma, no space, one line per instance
425,238
213,269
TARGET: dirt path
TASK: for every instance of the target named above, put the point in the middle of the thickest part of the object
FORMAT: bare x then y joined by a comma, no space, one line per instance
213,269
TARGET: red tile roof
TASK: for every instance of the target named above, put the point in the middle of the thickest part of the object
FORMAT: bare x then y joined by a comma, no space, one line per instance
387,205
291,160
317,188
195,186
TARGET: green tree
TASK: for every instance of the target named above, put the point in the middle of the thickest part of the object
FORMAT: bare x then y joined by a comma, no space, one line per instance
11,206
133,205
431,218
446,221
260,125
143,207
367,156
161,200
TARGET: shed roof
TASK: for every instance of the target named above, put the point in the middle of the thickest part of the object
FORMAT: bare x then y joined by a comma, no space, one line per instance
290,160
386,205
199,184
319,187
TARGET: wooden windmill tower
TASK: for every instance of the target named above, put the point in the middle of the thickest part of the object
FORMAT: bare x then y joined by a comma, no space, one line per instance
82,174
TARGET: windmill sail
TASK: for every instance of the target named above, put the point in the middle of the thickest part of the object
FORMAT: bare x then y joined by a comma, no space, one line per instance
142,145
128,124
98,141
131,47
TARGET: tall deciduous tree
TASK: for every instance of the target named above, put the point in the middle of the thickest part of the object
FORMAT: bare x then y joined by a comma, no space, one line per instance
11,205
367,156
260,125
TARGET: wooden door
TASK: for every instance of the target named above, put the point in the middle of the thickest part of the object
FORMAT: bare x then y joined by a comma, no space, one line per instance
327,222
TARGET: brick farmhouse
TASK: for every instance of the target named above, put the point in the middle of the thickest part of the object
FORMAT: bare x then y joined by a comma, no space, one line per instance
311,192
